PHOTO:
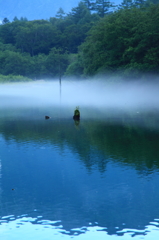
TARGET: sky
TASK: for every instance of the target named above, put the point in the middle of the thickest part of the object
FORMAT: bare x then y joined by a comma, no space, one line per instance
36,9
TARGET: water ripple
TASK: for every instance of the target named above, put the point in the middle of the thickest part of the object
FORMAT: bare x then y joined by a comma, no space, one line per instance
12,228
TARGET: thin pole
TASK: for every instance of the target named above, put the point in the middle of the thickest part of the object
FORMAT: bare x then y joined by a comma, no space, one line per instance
60,76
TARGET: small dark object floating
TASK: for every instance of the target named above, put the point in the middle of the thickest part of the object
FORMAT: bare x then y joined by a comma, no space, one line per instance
47,117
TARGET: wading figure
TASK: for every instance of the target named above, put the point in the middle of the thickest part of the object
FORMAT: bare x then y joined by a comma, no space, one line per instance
76,114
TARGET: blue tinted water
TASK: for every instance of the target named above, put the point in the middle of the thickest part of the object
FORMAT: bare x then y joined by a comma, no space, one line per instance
49,190
93,179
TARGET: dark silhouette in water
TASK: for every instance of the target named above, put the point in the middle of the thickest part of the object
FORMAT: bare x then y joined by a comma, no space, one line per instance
77,122
77,118
76,114
47,117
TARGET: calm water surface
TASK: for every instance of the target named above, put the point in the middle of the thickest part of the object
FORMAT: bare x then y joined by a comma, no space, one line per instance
93,179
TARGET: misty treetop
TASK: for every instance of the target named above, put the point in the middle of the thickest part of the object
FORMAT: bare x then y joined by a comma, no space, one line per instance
96,36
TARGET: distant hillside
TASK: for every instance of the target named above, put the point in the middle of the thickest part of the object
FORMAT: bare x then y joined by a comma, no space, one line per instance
34,9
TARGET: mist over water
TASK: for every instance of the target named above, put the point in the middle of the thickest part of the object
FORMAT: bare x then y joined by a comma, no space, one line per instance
87,92
92,96
97,179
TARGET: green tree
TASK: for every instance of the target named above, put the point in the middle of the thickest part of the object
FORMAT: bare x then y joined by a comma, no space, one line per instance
15,19
36,37
139,3
23,19
90,4
87,3
5,20
149,2
75,68
39,69
60,13
10,47
56,62
103,7
7,34
126,4
126,39
79,12
14,63
79,22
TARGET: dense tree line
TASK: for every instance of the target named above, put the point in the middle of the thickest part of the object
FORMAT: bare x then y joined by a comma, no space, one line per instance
40,48
125,40
92,38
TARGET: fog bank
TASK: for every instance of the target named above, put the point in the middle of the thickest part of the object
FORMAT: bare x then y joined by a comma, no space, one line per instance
96,93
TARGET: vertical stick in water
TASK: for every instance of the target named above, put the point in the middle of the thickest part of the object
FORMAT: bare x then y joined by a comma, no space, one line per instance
60,85
60,81
60,76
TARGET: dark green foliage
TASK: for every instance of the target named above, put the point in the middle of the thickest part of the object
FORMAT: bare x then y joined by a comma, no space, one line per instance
127,39
5,20
88,4
36,37
56,62
60,13
75,68
15,19
79,22
152,2
39,36
14,63
103,7
126,4
31,48
13,78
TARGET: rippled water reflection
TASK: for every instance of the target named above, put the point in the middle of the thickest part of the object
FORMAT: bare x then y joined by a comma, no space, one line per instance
29,227
96,179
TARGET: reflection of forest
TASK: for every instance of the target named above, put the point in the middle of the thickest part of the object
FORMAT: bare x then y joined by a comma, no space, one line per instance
96,142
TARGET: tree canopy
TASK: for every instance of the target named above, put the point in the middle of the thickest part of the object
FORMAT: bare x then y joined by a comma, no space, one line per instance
127,39
94,37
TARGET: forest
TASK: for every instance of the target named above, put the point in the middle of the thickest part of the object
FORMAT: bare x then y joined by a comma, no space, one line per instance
96,37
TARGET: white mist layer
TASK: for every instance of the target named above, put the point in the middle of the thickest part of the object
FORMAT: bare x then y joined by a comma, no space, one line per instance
97,94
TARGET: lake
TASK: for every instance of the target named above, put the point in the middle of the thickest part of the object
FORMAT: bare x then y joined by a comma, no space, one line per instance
96,178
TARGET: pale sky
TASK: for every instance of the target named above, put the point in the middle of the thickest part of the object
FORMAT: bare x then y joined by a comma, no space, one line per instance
36,9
